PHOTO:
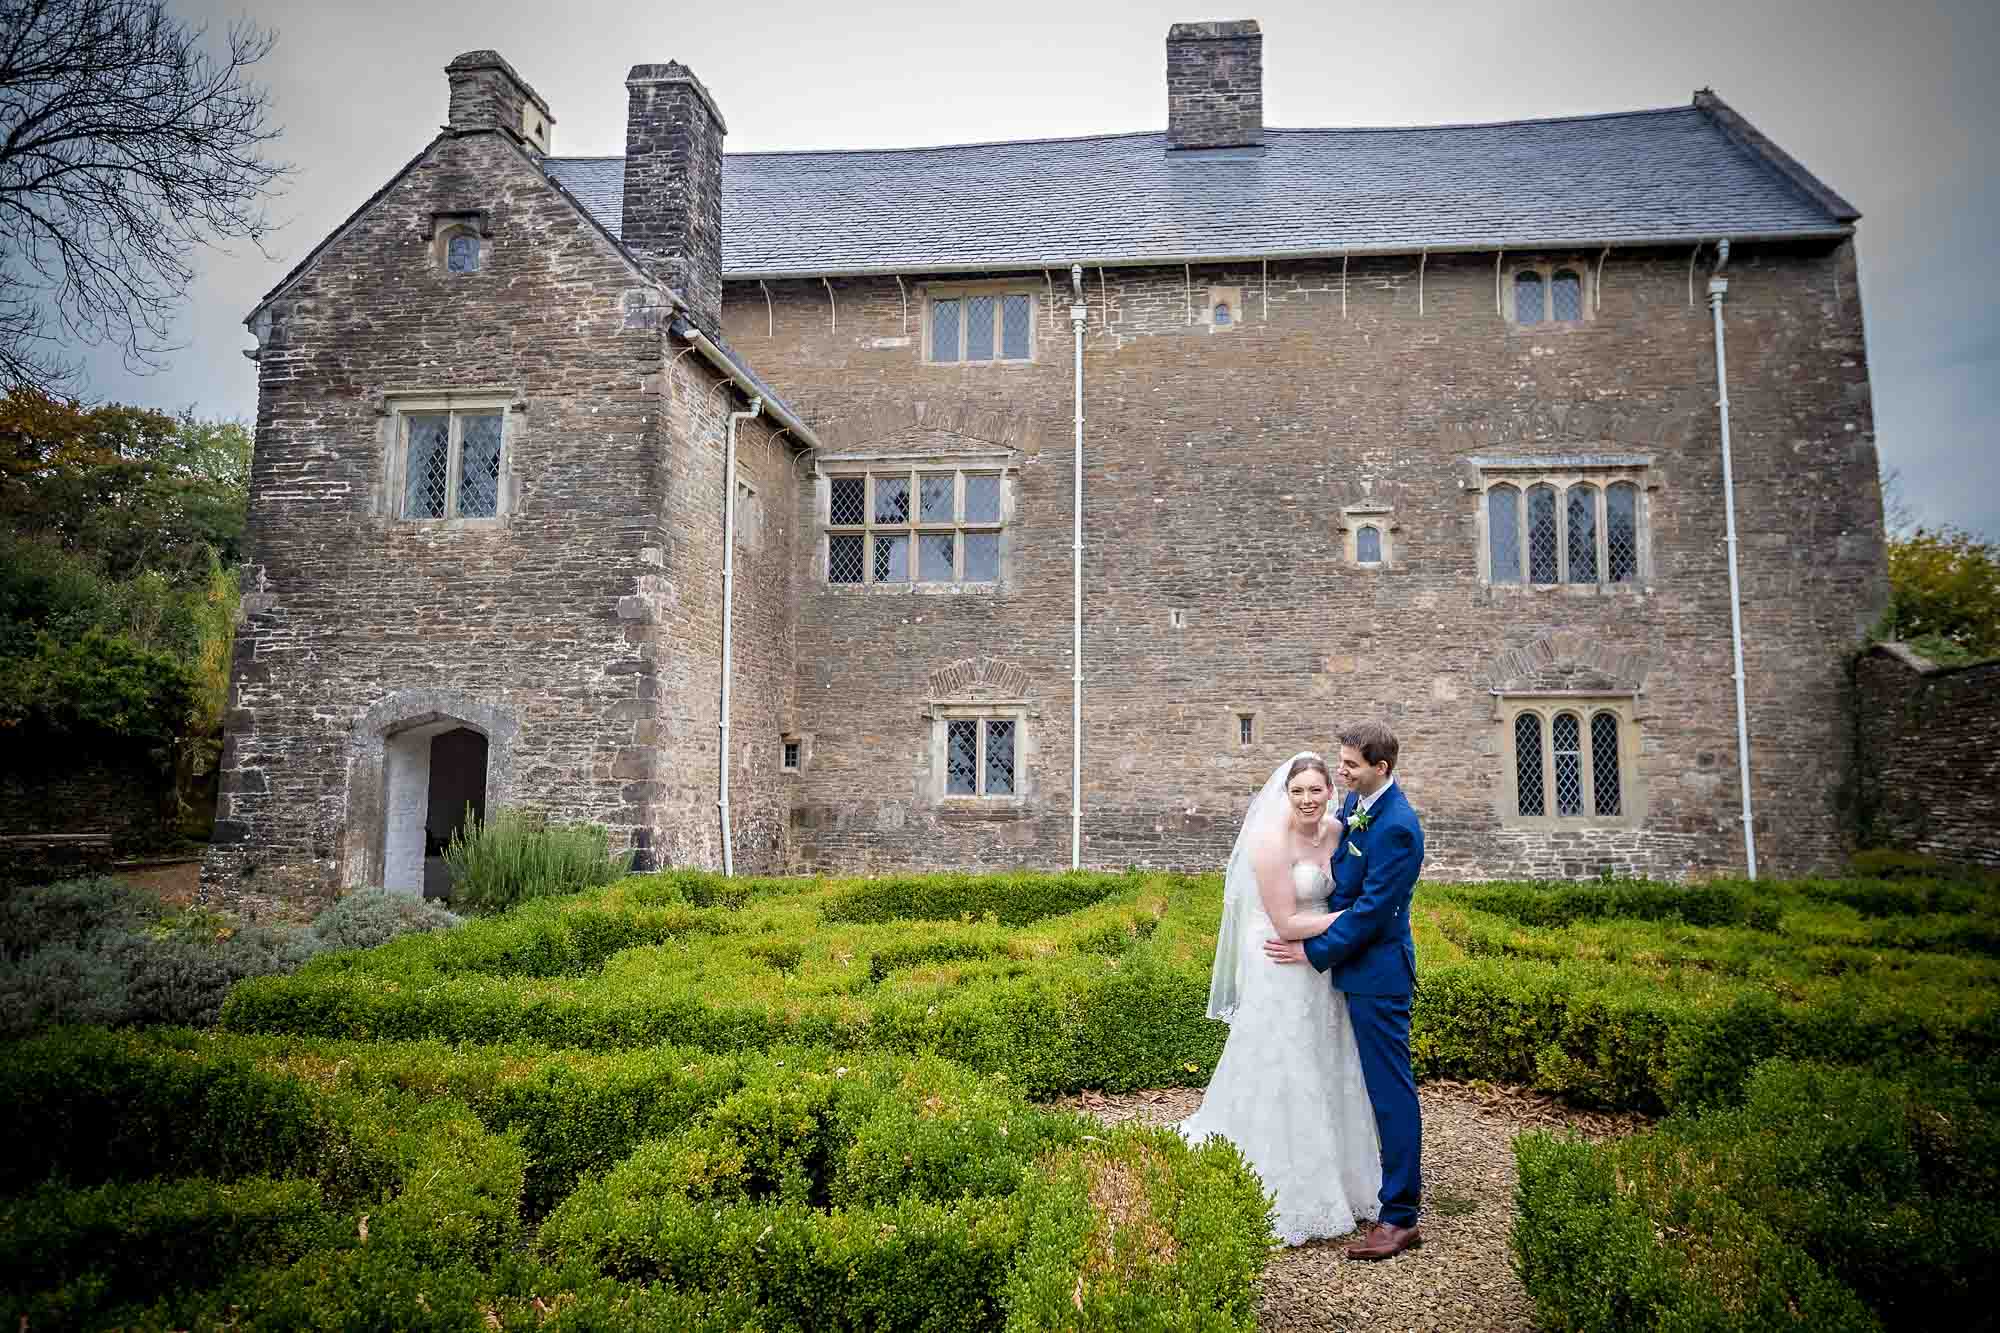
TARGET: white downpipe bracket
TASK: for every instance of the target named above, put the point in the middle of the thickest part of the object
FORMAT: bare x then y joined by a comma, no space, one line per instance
1078,313
1717,286
728,623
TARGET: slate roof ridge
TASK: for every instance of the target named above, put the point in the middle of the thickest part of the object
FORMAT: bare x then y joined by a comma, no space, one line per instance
1680,109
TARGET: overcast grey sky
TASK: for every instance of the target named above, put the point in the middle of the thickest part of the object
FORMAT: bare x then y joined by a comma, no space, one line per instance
1895,105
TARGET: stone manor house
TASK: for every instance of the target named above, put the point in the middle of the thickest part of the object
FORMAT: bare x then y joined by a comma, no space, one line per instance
729,501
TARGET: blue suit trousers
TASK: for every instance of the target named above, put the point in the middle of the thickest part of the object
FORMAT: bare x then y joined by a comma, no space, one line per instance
1382,1032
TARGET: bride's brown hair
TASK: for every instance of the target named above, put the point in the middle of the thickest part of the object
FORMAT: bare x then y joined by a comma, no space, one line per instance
1308,763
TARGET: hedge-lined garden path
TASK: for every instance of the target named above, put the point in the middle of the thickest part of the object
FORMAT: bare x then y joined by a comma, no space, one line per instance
1461,1278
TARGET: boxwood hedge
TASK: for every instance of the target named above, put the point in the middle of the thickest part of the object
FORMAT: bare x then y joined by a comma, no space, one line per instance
1620,994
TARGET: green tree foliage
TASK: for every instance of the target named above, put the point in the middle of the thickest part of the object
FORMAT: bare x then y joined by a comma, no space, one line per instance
1944,595
120,530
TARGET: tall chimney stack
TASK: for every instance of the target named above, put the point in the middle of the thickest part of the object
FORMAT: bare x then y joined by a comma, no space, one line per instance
486,94
1215,84
673,185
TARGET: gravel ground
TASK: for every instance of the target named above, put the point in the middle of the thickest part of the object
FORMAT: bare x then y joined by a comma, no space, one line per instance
1461,1278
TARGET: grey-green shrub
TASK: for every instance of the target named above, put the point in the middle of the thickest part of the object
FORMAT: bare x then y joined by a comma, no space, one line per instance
70,911
367,918
515,855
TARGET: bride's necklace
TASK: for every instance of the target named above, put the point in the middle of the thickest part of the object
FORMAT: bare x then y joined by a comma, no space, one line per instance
1318,836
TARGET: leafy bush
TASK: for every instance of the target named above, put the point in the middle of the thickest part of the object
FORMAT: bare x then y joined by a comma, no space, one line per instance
71,912
1010,899
366,918
98,951
1557,904
1648,1014
804,1189
1830,1199
515,855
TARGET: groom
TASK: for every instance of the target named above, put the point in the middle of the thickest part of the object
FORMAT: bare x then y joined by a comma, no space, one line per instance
1368,954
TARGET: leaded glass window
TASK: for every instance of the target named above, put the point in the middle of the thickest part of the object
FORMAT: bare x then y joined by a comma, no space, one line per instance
479,484
892,499
1527,298
936,493
428,475
1565,296
1528,763
1582,534
1016,322
1604,761
843,557
945,331
892,559
999,758
934,562
961,757
980,756
987,326
1543,565
1503,524
1223,319
1570,767
1368,545
929,526
791,756
1562,530
846,499
452,464
1621,531
979,328
1566,735
461,253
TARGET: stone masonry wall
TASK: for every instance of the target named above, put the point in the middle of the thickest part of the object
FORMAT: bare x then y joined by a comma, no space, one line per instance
358,622
1218,461
1928,760
684,726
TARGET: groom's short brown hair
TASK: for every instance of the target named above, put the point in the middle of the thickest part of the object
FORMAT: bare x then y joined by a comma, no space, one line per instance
1374,740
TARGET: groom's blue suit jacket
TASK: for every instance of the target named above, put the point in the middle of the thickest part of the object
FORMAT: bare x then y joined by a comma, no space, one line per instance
1368,951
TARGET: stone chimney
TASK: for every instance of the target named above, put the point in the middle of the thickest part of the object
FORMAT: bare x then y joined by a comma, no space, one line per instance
1215,84
673,185
487,94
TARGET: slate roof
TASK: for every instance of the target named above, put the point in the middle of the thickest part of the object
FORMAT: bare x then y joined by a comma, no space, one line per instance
1677,174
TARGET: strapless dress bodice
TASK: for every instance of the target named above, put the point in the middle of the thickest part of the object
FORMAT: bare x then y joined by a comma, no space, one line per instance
1311,881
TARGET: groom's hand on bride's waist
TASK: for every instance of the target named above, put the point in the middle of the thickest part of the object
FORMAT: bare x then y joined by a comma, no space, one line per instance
1284,951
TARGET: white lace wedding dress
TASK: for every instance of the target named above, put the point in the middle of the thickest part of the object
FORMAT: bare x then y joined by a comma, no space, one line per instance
1288,1090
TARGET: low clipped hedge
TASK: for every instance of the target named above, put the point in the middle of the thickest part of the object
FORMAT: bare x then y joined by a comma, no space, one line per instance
1618,993
386,1185
1829,1200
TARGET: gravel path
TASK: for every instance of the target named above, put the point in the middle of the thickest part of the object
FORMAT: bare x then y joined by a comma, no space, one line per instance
1461,1278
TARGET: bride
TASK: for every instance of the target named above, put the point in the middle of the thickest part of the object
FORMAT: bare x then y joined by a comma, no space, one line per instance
1288,1090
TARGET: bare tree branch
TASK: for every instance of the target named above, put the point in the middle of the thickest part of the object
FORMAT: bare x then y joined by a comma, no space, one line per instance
125,143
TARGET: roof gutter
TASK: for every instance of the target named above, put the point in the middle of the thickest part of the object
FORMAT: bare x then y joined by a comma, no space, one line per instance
1250,257
732,372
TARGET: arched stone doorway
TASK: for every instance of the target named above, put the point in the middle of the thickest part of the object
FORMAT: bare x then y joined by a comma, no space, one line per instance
434,775
420,758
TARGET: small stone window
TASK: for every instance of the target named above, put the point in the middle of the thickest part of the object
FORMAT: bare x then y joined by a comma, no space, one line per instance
1223,319
1569,760
1548,295
979,753
934,525
1245,728
1222,311
1367,532
461,252
791,753
1580,522
450,461
979,324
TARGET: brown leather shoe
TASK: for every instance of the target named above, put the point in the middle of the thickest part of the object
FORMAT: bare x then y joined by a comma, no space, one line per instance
1386,1242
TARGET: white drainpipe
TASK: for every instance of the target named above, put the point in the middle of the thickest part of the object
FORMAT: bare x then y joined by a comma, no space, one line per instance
1717,286
1078,312
728,608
